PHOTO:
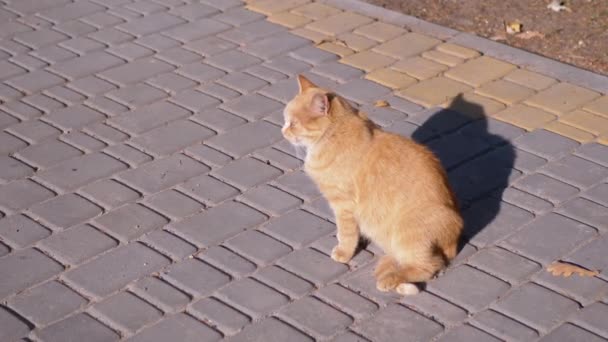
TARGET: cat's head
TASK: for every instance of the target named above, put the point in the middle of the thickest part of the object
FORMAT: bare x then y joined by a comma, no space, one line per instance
307,115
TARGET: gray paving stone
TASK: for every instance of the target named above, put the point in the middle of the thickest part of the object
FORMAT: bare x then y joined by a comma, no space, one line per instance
47,303
252,297
252,106
300,184
209,227
283,90
22,194
592,256
525,200
274,45
137,95
111,36
169,244
10,144
157,42
238,16
593,318
71,11
315,316
83,45
128,154
208,155
127,311
549,237
42,102
248,33
147,118
172,137
65,211
25,268
242,82
247,172
48,154
598,193
246,138
161,294
586,211
222,316
135,71
337,71
11,169
115,269
287,65
547,187
536,306
346,300
577,171
7,120
109,193
262,72
73,117
35,81
78,67
221,92
106,106
270,200
594,152
150,24
130,51
196,277
363,281
209,46
194,100
395,320
194,11
584,290
467,333
171,82
362,91
313,55
77,244
8,70
163,173
284,281
76,328
75,28
208,189
13,327
21,231
4,249
469,287
195,30
278,159
503,326
440,309
179,327
546,144
39,38
81,170
130,222
313,266
570,332
218,120
21,110
504,264
258,247
83,142
271,330
173,204
178,56
228,261
232,60
298,228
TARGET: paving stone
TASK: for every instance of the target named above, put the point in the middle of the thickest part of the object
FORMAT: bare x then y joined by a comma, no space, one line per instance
247,172
73,117
232,60
35,81
137,95
136,71
163,173
536,306
21,110
169,244
396,320
48,154
77,327
530,79
194,11
599,194
238,16
215,229
443,58
81,66
21,231
315,316
248,33
467,333
593,318
454,149
313,55
65,211
278,159
252,297
570,132
10,144
221,92
391,78
161,294
586,121
115,269
504,264
368,60
21,194
9,70
298,228
243,83
37,39
584,290
77,244
577,171
11,169
594,152
288,19
172,137
526,117
549,237
130,222
362,91
145,119
562,98
208,189
178,327
150,24
592,256
71,11
110,193
246,138
337,71
171,82
355,305
271,200
218,120
258,247
82,170
503,326
224,317
284,281
252,106
418,67
194,100
433,306
269,329
25,268
300,184
434,91
41,102
569,332
274,45
546,187
282,91
174,204
313,266
127,311
469,287
480,70
195,30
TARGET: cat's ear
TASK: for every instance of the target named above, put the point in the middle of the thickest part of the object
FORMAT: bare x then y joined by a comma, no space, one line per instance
319,104
304,83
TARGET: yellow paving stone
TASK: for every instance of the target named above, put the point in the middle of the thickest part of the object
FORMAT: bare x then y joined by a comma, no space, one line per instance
589,122
570,132
480,70
409,44
314,36
442,58
562,98
391,78
419,67
530,79
599,106
457,50
355,41
316,10
504,91
474,105
339,50
525,117
434,91
603,139
289,19
380,31
367,60
269,7
339,23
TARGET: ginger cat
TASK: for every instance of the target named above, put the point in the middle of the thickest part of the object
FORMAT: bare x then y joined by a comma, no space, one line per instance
381,185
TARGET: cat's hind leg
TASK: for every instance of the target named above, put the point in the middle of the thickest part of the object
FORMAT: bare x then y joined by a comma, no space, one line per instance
392,275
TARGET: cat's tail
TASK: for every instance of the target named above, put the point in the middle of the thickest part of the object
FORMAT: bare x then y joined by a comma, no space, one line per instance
392,276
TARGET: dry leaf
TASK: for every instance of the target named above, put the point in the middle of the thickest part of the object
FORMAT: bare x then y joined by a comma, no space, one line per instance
566,269
513,27
381,103
530,34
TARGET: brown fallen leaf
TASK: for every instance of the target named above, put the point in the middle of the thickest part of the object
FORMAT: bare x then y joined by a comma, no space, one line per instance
381,103
513,27
530,34
566,269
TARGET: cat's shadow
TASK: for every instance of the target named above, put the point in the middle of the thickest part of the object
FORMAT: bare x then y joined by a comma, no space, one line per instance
479,163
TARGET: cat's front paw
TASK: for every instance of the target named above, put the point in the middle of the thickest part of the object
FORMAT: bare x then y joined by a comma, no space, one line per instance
340,255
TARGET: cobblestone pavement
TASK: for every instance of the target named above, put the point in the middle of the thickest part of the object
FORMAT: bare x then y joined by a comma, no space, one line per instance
146,193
